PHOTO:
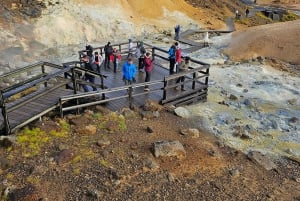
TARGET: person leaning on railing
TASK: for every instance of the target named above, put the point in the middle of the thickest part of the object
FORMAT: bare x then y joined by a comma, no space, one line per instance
88,77
183,68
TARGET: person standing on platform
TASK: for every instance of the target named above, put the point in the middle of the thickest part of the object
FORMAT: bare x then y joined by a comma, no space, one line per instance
177,57
247,12
108,51
171,53
177,31
130,48
140,54
98,61
148,63
183,68
88,77
129,71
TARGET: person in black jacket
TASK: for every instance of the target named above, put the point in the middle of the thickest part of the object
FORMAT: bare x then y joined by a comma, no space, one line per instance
88,77
108,50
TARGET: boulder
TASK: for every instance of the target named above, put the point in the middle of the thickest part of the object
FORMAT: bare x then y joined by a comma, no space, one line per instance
190,132
150,163
127,112
64,156
182,112
150,129
87,130
103,143
262,160
79,121
27,193
151,105
6,143
150,114
5,163
168,148
103,110
233,97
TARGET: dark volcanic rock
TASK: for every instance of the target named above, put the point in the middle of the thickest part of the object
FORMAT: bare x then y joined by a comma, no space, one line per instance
64,156
28,193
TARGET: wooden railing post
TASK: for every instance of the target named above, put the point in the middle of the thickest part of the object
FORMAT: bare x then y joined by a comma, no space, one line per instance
206,79
61,109
165,89
102,86
43,71
5,116
75,87
130,90
153,53
194,80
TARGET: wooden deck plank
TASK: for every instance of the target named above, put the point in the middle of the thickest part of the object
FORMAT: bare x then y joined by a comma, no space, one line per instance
35,107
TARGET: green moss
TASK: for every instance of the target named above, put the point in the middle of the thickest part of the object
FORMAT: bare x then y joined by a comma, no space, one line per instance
261,15
10,176
97,115
289,17
104,163
112,122
32,180
76,171
77,159
63,132
32,140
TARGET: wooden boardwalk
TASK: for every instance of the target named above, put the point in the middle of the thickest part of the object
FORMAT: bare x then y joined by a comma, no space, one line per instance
114,80
35,108
61,88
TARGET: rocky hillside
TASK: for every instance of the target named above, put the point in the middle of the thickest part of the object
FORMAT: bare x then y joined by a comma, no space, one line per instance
268,41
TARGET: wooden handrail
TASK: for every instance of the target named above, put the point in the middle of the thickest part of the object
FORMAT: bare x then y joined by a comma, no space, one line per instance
17,90
35,65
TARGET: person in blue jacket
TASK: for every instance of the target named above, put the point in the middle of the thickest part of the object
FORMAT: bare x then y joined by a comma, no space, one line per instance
129,71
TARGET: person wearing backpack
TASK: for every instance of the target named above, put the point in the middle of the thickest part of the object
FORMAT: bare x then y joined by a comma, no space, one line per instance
183,68
108,51
140,54
172,59
91,66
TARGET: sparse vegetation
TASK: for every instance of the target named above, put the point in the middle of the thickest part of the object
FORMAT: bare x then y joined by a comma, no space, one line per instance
63,131
31,141
290,17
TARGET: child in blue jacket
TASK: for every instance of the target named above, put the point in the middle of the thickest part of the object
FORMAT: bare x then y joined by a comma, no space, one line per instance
129,71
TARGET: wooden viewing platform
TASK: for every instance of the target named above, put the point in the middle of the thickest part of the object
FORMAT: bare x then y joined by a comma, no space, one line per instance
46,86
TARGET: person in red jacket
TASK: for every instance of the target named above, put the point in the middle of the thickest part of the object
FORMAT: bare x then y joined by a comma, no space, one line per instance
177,57
148,65
116,57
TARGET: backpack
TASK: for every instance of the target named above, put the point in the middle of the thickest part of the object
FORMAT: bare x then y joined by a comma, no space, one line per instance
143,51
89,49
172,53
109,50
